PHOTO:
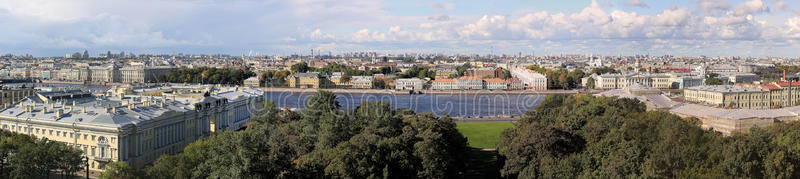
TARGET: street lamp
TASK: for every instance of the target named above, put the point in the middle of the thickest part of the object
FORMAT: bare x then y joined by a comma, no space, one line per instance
86,162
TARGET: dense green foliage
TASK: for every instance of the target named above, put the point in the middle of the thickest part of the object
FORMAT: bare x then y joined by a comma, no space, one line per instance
777,74
603,70
713,81
23,156
348,71
301,67
323,141
483,135
275,78
118,170
418,72
582,136
212,75
463,68
560,78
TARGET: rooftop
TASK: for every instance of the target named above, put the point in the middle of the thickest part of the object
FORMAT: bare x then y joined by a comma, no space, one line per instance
725,88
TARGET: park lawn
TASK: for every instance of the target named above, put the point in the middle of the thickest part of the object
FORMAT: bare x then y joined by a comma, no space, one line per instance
483,135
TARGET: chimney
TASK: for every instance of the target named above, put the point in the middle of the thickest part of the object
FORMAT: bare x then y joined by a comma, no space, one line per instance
114,109
161,104
131,106
59,112
73,103
44,110
53,105
106,109
784,76
84,109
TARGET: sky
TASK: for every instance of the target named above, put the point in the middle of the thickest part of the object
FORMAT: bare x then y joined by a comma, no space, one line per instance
282,27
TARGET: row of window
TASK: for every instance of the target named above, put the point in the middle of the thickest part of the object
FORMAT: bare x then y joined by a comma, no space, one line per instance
50,132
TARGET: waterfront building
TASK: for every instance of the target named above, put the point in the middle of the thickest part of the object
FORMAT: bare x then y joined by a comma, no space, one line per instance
20,73
338,80
444,84
495,84
530,79
516,84
469,83
252,82
409,84
307,80
362,82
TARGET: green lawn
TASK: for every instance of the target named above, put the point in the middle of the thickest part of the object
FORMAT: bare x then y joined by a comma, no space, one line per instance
484,135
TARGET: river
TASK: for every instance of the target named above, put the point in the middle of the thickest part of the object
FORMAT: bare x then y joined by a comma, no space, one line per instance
461,105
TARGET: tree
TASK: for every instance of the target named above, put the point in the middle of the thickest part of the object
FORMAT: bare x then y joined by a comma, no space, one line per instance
370,141
590,83
378,83
714,81
118,170
301,67
322,101
506,74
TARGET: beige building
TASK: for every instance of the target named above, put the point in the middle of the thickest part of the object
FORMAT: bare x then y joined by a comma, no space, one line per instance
362,82
9,96
727,121
619,81
141,74
307,80
136,128
746,96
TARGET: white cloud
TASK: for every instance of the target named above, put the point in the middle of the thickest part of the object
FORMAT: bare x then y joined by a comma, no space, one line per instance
637,3
781,5
442,6
710,6
751,7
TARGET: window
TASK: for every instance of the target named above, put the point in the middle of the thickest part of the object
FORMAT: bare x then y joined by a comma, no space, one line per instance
84,136
92,151
93,136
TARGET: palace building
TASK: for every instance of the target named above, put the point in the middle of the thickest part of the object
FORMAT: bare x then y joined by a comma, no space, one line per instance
130,124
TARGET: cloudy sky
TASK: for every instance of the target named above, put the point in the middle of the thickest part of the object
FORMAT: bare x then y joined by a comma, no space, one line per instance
611,27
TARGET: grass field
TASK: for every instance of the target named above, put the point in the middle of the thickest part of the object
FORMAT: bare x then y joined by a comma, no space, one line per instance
484,135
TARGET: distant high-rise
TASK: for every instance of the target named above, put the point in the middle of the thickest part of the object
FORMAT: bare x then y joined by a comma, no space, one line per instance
85,54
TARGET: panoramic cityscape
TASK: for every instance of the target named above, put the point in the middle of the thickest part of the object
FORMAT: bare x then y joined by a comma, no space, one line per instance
400,89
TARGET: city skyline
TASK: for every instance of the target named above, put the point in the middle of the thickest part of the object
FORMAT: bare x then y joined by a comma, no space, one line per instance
606,27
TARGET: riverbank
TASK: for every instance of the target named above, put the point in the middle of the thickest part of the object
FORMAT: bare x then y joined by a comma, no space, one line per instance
391,91
81,83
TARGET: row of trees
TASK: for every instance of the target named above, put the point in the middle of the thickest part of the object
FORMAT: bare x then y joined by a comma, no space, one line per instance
560,78
23,156
582,136
323,141
418,72
206,75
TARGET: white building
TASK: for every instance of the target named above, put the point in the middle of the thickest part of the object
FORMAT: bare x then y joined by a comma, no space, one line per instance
409,84
530,79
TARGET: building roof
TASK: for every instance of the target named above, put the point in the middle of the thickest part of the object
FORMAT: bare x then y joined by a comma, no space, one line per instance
725,88
494,80
786,84
443,80
735,114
